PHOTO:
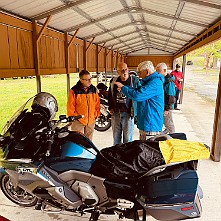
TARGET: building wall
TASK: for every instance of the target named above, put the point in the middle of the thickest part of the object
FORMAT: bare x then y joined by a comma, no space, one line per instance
133,61
18,52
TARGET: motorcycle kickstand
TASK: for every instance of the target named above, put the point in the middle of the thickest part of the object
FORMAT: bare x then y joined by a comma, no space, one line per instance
94,215
38,205
135,215
144,217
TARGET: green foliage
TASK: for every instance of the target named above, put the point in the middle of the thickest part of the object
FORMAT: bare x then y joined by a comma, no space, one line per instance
197,61
208,52
15,92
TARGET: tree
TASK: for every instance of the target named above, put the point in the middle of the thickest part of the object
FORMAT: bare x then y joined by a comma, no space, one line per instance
209,52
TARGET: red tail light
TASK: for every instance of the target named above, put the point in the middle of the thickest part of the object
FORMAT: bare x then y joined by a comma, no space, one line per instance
187,208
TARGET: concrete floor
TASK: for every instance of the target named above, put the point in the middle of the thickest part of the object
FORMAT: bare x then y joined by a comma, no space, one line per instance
196,120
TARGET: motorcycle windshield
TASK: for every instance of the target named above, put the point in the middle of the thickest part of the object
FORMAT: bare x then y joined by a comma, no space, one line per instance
24,108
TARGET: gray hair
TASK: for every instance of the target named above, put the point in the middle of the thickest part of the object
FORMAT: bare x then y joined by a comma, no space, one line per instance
161,66
146,65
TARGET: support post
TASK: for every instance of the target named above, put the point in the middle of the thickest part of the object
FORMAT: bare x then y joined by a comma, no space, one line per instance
105,60
84,56
112,60
90,43
36,56
184,72
77,57
67,62
36,38
97,59
216,140
67,57
101,48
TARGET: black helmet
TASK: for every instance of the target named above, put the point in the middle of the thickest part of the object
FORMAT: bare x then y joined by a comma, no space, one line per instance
48,101
102,87
177,66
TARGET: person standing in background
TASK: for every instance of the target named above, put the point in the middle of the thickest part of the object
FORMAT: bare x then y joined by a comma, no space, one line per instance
178,83
169,100
150,98
122,108
83,99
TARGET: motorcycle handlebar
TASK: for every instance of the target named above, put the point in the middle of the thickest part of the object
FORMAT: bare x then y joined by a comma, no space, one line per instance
73,118
62,119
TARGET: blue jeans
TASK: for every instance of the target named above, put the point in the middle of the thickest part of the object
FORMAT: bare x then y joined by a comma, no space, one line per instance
122,122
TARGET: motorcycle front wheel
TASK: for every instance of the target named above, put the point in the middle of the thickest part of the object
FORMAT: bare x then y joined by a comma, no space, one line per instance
102,123
16,194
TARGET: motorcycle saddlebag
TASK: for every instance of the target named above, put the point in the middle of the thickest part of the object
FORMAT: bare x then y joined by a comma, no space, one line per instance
169,192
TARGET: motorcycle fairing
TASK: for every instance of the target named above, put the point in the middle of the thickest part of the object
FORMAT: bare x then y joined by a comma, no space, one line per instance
71,149
79,139
61,189
13,164
71,177
61,165
24,108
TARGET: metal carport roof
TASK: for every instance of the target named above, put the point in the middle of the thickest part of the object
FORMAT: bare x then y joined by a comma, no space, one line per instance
132,27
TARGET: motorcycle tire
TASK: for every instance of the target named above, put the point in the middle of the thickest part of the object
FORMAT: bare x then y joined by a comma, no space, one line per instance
102,124
16,194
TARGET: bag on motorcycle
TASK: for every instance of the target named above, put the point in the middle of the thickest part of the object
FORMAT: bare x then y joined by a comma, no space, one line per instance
127,161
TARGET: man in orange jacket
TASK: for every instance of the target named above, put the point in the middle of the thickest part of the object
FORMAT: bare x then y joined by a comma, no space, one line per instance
84,100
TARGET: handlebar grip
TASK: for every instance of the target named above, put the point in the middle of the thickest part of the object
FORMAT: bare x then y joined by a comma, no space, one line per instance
73,118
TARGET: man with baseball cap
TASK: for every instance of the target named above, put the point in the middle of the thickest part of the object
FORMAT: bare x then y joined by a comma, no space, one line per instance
178,83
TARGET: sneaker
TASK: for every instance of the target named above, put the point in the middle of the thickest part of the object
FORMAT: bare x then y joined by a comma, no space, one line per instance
176,108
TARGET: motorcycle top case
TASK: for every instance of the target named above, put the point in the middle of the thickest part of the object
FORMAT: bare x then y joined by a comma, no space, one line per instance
175,184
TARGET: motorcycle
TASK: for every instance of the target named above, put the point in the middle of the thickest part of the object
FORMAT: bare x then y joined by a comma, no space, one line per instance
103,123
65,174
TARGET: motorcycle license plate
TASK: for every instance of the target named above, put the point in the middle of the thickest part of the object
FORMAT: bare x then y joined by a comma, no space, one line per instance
26,170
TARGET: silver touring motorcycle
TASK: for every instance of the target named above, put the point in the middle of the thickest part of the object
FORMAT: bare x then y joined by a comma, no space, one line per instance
43,161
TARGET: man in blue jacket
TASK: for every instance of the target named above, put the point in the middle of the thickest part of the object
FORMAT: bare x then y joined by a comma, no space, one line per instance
150,98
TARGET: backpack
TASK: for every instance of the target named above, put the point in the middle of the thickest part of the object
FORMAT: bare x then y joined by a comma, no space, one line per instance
170,89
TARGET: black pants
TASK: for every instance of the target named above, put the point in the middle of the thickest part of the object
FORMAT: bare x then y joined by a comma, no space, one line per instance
177,97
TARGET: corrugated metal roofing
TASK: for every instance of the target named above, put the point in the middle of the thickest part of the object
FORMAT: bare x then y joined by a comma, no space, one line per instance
141,26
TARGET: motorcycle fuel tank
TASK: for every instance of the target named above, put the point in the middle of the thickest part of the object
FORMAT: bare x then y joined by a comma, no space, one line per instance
71,149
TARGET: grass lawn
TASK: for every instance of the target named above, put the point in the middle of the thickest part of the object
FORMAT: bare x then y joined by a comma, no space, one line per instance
15,92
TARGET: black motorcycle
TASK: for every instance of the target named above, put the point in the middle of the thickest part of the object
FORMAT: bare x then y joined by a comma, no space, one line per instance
67,172
103,123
